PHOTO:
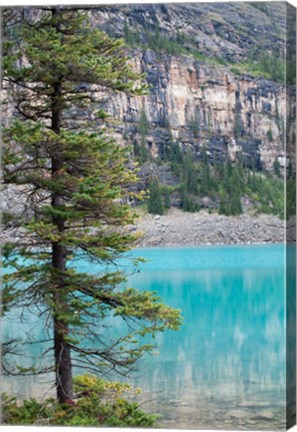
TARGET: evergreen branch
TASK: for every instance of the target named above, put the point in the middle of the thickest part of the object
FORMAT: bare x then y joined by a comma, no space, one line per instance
72,179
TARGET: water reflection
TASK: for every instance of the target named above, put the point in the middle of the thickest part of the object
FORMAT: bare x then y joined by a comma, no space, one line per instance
225,368
229,353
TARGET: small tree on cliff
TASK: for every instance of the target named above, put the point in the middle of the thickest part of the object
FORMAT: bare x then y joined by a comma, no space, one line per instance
155,201
73,179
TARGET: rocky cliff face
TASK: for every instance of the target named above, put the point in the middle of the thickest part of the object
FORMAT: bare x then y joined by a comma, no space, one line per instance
196,98
198,106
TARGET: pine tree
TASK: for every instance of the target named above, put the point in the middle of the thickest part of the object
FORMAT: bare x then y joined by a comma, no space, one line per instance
276,168
230,189
155,201
270,135
187,200
205,175
237,186
131,37
143,130
224,204
189,174
143,125
167,199
74,180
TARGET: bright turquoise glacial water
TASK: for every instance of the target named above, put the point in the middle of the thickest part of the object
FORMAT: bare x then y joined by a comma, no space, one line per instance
225,368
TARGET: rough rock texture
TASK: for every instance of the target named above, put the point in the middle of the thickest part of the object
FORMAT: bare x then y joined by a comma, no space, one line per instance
200,102
178,228
224,114
225,29
196,101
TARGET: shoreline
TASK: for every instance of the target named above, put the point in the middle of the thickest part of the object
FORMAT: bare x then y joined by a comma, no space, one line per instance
178,228
213,245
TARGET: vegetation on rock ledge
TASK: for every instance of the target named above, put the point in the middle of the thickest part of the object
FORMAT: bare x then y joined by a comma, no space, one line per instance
225,183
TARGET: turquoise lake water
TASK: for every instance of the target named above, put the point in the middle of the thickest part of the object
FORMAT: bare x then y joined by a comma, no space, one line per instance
225,368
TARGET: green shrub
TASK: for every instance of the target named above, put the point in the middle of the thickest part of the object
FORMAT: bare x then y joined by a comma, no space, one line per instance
235,70
99,403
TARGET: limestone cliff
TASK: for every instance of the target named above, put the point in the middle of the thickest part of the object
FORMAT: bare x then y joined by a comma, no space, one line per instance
220,83
203,93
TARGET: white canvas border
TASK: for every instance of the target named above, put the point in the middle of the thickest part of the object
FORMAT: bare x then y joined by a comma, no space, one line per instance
106,2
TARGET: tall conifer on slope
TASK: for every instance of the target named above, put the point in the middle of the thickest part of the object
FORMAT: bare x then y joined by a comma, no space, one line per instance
74,179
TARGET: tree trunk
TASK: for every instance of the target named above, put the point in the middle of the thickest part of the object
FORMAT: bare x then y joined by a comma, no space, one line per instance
63,364
61,347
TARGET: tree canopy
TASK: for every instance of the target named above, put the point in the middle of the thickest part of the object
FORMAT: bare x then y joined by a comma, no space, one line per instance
73,181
